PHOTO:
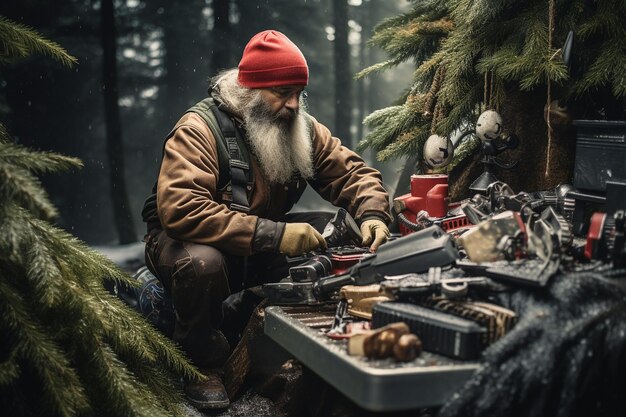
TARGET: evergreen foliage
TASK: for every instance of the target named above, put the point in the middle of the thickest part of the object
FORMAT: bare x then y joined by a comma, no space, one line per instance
17,40
68,346
471,55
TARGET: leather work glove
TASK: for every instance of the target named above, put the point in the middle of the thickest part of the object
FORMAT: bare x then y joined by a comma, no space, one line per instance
299,238
374,231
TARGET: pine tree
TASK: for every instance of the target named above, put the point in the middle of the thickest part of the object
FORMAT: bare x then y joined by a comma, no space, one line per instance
505,55
68,346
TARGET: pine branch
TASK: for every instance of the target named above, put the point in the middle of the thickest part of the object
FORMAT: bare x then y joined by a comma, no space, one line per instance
605,68
410,143
551,67
160,383
128,332
411,35
71,251
381,66
503,62
19,41
416,41
464,150
498,98
393,122
62,388
478,13
49,274
4,135
398,21
138,330
82,262
463,113
383,127
392,39
9,369
607,21
380,116
19,233
44,274
120,392
31,259
427,67
21,187
40,162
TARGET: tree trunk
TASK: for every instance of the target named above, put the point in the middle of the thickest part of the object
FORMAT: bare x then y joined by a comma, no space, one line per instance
343,74
374,55
221,36
176,46
253,18
115,149
365,22
524,116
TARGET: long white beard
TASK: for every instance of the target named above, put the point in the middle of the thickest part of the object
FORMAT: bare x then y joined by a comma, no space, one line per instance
282,147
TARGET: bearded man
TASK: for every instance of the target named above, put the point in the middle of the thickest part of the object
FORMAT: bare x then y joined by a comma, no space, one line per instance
216,227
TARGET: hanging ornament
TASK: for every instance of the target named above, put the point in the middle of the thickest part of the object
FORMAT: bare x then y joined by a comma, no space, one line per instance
489,125
438,151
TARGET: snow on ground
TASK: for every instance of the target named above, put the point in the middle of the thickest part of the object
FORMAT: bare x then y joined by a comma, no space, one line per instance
129,257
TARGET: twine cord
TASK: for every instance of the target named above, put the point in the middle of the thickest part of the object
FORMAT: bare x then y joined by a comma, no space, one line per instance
551,14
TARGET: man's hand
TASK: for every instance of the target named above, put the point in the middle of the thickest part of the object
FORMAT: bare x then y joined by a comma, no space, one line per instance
374,231
299,238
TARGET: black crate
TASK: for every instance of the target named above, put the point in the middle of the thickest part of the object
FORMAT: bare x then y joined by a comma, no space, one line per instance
600,153
439,332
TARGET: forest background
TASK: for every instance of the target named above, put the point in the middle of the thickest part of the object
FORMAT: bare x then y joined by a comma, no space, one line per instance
141,64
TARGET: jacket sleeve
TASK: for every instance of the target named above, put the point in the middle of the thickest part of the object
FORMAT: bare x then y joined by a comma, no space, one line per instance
343,178
186,194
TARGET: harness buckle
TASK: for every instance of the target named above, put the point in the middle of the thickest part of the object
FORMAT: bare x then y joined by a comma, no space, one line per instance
239,207
236,163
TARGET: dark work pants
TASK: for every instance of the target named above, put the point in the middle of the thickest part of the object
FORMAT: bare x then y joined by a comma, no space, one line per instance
200,278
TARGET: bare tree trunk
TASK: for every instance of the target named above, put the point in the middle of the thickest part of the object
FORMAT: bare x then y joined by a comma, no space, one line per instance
343,74
221,36
176,47
375,55
253,18
364,17
115,149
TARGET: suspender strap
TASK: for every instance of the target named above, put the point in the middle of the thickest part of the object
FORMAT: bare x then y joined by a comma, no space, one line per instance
239,168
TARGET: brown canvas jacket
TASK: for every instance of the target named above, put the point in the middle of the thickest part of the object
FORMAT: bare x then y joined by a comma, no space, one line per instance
190,207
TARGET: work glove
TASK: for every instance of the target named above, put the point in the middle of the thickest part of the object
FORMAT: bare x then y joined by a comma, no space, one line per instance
374,231
299,238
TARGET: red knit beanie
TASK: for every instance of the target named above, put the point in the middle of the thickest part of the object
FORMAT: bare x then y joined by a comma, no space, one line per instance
270,59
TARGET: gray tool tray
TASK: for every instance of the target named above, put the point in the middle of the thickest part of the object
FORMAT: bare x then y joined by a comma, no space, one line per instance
376,385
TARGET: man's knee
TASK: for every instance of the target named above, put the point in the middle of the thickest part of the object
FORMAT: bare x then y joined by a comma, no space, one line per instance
199,284
207,261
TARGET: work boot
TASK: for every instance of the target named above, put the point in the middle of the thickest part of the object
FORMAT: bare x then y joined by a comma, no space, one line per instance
209,394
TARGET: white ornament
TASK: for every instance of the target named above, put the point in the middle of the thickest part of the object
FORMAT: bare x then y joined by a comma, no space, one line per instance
489,125
438,151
